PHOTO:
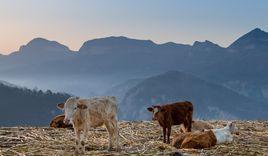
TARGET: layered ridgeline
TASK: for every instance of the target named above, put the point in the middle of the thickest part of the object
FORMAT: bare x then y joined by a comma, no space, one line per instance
101,64
211,101
25,107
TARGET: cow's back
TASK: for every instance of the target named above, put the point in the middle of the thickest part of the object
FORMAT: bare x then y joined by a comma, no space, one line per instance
100,109
179,111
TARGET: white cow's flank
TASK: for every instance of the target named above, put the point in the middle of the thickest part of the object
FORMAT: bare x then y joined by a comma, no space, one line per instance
93,112
224,135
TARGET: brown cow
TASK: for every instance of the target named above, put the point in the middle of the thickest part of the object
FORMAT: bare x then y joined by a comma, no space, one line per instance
173,114
57,122
196,140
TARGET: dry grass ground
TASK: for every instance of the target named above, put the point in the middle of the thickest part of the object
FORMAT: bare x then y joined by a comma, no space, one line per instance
137,138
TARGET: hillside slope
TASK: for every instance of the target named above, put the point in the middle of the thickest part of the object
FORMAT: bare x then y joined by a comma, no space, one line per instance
211,101
21,106
138,138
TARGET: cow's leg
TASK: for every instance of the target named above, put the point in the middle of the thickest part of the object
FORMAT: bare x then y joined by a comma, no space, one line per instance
164,134
188,124
168,134
190,120
77,141
83,137
185,124
182,128
110,134
116,133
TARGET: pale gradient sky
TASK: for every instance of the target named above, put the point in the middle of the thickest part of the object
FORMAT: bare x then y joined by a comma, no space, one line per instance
71,22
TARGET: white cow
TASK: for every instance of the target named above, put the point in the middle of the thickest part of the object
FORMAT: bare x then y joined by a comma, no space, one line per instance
225,135
93,112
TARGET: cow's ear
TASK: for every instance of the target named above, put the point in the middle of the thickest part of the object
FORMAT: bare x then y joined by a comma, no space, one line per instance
232,125
229,124
150,109
60,106
161,109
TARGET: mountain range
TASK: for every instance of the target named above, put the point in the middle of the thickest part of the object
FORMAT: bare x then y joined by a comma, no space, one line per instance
102,65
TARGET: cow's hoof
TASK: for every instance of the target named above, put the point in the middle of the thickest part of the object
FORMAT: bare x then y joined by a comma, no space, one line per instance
78,152
110,149
117,149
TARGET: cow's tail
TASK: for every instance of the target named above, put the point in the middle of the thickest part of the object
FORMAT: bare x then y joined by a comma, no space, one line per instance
190,115
113,98
112,104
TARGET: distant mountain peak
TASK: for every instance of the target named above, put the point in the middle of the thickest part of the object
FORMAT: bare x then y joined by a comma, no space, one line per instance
173,44
251,40
256,30
8,84
115,42
42,44
118,38
172,72
38,39
206,44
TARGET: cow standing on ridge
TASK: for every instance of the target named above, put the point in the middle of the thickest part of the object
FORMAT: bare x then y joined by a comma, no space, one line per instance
93,112
173,114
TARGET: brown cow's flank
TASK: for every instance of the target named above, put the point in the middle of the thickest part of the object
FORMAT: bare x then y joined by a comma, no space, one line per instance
57,122
196,140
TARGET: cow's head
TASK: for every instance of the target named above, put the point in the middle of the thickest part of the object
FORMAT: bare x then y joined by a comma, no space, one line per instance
69,108
157,111
233,129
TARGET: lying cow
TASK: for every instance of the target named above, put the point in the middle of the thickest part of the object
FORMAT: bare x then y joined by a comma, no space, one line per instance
94,112
225,135
173,114
205,139
196,140
57,122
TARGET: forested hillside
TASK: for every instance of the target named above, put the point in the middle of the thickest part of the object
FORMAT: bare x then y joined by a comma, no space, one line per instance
22,106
